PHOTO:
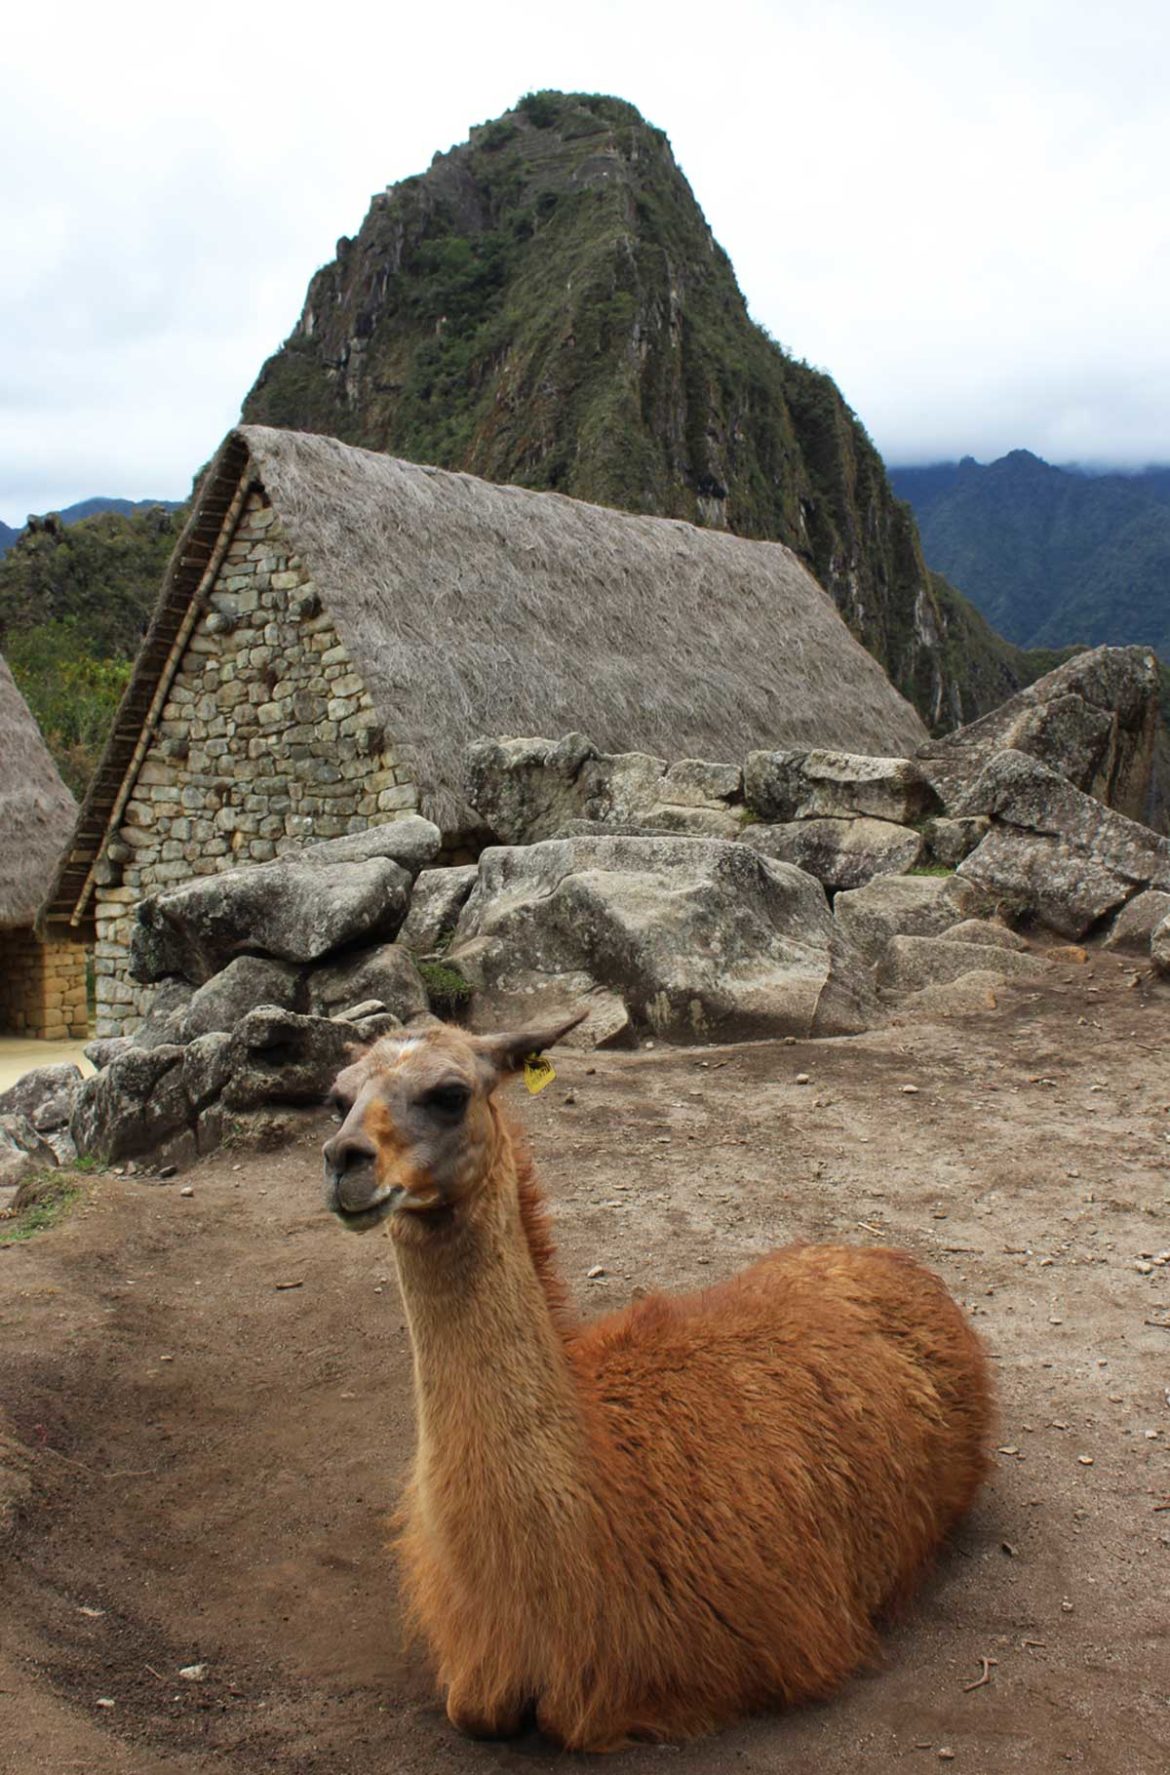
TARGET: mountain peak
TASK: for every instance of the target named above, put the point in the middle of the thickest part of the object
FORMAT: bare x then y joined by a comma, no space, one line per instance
546,305
1024,460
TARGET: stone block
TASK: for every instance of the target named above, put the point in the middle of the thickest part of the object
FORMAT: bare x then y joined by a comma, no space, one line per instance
818,784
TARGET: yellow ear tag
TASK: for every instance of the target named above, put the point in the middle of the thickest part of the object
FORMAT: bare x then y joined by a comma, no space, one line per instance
538,1072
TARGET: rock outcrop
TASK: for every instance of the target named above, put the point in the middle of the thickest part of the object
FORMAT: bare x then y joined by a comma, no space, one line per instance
901,906
1133,929
816,785
840,853
700,939
693,901
1093,721
266,977
439,897
1053,853
531,789
302,907
1160,947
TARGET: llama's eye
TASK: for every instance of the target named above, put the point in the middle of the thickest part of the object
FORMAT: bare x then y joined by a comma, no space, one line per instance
449,1100
339,1107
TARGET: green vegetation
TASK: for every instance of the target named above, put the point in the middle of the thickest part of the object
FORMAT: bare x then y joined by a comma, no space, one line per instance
448,993
73,695
1050,557
991,668
74,601
47,1198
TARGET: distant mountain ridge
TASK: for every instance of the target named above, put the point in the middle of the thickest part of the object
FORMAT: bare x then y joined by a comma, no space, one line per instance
1052,557
75,598
546,305
91,508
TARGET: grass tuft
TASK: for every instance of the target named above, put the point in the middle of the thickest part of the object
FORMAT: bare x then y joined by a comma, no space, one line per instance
448,992
48,1198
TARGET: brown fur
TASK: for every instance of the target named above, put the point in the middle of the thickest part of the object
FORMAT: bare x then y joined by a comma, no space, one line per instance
650,1524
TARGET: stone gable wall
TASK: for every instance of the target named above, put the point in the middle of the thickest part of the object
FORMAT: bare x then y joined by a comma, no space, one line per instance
268,739
42,988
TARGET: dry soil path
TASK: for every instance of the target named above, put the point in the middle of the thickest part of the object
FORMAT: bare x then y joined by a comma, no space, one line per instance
208,1404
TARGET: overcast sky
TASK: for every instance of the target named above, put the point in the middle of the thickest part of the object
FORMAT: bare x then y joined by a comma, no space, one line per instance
959,211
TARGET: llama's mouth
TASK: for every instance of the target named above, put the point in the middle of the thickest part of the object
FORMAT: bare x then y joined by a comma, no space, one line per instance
363,1220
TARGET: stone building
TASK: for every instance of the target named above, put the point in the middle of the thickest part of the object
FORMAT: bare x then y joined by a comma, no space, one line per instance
42,983
335,625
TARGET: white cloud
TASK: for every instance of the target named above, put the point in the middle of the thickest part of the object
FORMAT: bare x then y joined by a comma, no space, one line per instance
959,214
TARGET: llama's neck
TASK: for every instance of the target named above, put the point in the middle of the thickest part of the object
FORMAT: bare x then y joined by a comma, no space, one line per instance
500,1424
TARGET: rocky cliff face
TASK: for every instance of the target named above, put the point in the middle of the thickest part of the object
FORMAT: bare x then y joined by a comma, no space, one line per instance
546,305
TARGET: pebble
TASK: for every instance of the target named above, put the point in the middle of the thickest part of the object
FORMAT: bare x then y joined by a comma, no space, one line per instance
187,1190
802,1078
595,1272
105,1701
194,1673
912,1091
168,1171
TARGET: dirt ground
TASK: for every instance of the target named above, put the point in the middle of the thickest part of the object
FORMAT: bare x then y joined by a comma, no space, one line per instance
208,1400
19,1055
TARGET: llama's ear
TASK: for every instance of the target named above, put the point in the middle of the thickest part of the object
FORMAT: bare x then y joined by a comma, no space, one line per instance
508,1052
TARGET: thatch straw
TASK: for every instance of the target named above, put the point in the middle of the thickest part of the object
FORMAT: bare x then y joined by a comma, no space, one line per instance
472,610
36,810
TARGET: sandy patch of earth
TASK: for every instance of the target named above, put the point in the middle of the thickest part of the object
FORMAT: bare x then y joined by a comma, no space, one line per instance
200,1457
18,1055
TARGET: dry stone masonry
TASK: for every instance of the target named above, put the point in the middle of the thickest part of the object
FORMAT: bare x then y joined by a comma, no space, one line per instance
268,738
42,987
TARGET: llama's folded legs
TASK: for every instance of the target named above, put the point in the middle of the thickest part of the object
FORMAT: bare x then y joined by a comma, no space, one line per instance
564,1726
471,1710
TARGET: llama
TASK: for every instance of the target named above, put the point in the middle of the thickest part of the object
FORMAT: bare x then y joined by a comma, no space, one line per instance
643,1526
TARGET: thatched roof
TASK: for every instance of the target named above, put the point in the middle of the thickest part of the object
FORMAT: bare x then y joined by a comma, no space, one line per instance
36,810
473,610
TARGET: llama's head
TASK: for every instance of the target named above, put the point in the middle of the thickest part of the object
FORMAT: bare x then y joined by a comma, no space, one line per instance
419,1132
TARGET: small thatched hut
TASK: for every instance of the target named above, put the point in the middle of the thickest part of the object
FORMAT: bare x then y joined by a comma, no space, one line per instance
42,985
335,625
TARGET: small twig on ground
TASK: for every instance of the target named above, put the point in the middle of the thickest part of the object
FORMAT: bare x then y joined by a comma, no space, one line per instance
1042,1643
44,1449
157,1673
987,1664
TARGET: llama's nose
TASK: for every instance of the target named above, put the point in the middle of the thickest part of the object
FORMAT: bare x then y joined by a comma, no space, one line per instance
349,1171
